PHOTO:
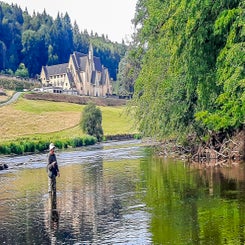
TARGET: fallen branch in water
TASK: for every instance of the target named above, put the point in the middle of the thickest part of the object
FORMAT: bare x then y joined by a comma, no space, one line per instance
221,152
218,151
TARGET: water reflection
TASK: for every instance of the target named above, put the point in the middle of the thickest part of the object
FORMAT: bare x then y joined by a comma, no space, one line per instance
54,217
194,206
122,195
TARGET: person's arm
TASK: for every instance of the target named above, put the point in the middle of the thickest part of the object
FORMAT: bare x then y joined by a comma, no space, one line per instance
57,167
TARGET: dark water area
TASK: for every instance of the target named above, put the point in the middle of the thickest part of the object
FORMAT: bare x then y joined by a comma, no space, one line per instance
120,193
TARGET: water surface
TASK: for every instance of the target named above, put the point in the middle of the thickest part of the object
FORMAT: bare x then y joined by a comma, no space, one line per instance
120,193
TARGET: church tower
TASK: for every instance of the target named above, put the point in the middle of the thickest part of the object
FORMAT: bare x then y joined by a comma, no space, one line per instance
91,57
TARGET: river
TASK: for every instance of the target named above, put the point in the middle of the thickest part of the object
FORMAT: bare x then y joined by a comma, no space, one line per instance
120,193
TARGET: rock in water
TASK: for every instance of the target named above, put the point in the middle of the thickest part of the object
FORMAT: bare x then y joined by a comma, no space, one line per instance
3,166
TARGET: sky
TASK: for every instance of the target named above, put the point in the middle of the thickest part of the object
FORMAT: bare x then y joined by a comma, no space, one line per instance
108,17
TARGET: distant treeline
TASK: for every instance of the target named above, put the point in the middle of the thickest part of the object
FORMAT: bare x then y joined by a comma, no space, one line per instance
38,39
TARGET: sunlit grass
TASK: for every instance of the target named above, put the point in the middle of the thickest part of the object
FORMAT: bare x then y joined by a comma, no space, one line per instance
36,107
30,119
116,121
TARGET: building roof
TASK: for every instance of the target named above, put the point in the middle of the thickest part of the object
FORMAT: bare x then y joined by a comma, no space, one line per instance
97,64
80,60
55,69
76,59
83,62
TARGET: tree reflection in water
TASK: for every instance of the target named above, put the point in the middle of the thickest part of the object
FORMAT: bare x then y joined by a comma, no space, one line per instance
192,204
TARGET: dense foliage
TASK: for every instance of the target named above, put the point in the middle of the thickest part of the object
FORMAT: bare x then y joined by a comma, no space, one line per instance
91,121
38,39
33,146
191,56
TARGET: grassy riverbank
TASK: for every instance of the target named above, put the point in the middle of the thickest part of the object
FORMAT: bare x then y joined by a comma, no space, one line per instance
41,122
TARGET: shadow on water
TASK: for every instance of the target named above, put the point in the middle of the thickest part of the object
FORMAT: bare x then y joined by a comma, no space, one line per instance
120,193
54,217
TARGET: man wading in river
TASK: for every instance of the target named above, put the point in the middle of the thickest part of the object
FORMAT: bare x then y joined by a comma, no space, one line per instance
52,169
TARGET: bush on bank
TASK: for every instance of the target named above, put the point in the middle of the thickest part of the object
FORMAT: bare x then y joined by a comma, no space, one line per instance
33,146
122,137
23,146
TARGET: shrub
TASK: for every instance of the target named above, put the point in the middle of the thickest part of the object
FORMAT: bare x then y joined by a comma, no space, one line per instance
89,140
29,146
91,121
16,148
42,146
4,149
77,142
58,144
137,136
35,145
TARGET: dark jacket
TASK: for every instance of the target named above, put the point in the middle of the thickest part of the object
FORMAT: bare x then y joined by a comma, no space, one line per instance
52,169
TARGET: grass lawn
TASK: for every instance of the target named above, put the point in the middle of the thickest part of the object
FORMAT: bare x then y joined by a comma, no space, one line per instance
30,119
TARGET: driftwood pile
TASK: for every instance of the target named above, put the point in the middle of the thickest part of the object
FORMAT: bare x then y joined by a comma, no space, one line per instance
220,150
229,152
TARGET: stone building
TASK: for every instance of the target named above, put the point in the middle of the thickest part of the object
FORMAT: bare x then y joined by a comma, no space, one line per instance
83,74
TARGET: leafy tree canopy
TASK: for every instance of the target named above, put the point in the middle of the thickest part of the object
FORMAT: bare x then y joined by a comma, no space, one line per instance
91,121
192,61
22,71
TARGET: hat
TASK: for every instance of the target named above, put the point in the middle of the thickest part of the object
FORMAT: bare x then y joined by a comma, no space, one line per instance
51,146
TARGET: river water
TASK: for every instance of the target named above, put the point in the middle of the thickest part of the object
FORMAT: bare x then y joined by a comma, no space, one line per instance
120,193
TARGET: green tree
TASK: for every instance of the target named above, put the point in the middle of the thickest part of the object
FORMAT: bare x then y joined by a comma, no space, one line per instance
192,67
67,31
91,121
52,58
34,51
22,71
77,38
62,37
1,18
2,55
10,34
128,71
229,111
